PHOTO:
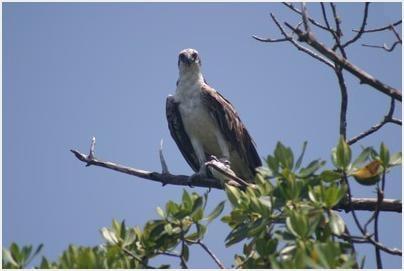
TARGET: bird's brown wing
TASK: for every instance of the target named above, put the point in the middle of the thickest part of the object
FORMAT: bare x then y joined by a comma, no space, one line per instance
179,135
231,127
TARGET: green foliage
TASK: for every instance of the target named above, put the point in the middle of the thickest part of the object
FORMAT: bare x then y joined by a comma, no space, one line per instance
287,219
16,257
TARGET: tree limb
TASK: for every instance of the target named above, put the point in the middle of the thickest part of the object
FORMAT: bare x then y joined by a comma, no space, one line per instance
387,118
388,27
369,204
363,76
364,204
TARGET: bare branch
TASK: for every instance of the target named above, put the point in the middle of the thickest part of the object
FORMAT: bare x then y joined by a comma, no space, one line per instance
164,167
369,204
380,28
269,39
164,179
360,32
380,196
182,258
311,20
337,19
365,204
344,101
299,47
384,46
305,17
363,76
387,118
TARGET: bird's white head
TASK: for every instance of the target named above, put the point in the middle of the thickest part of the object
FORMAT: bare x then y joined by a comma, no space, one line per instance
189,62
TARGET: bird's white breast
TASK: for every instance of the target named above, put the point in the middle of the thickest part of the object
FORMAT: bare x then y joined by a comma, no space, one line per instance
199,124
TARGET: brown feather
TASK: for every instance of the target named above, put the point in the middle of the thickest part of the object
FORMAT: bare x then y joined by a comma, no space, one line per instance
178,133
232,128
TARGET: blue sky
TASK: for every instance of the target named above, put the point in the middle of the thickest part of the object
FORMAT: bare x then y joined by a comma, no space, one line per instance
77,70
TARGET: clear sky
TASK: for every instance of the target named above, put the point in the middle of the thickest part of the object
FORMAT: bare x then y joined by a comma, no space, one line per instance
77,70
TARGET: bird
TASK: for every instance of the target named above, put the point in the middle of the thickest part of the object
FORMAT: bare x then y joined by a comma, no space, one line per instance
204,124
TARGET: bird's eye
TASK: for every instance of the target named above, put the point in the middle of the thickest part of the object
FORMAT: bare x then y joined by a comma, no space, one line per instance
194,55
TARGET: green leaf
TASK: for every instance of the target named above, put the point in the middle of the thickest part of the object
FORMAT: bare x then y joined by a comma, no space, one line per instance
233,194
185,252
160,212
109,236
116,227
15,253
333,194
266,201
363,157
8,258
384,155
236,235
266,247
186,200
200,232
330,175
395,159
284,155
343,154
197,215
300,159
172,208
311,168
337,224
216,212
273,164
198,204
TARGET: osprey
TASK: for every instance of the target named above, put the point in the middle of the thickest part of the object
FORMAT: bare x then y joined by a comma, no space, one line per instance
203,123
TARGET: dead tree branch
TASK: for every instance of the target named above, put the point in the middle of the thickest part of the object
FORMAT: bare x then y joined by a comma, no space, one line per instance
163,178
388,118
364,204
363,76
380,28
311,20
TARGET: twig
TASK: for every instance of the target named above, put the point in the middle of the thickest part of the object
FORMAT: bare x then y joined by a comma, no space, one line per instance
338,34
361,30
311,20
364,77
333,32
166,178
379,29
269,39
164,168
344,101
305,17
183,261
384,47
299,47
213,256
387,118
380,196
168,254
